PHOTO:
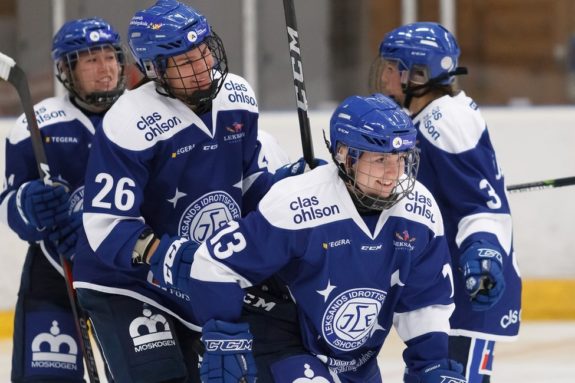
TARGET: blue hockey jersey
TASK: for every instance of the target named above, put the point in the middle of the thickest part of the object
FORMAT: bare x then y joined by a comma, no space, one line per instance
351,282
157,164
459,167
67,134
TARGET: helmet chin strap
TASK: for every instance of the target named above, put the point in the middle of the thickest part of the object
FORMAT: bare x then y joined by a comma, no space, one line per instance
410,91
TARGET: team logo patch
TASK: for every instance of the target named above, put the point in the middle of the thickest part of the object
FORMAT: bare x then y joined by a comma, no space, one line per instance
207,214
404,241
351,318
77,200
237,133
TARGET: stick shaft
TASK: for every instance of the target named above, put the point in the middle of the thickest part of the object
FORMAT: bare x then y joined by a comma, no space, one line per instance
298,80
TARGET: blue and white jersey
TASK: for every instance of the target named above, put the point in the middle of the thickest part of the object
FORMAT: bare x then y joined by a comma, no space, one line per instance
67,134
157,164
459,167
351,280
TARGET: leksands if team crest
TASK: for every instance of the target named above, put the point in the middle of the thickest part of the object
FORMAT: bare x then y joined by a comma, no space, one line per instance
207,214
350,319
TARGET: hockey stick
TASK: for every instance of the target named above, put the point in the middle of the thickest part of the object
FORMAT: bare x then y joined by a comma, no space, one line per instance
12,73
546,184
299,85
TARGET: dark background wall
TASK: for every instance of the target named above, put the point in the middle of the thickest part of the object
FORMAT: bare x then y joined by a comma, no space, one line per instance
518,51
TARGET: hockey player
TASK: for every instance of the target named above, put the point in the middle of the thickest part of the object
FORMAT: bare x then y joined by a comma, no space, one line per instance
176,157
360,245
89,63
417,66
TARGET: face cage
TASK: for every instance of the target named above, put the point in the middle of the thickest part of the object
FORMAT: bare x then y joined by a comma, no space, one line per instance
404,186
199,98
65,74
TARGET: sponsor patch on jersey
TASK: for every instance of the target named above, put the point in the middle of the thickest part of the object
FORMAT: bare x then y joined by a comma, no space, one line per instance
336,243
403,241
350,319
207,214
183,150
61,140
236,132
238,93
511,318
309,209
154,125
421,205
428,126
44,115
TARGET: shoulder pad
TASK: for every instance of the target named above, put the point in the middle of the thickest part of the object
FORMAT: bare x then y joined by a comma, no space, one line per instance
420,206
452,124
236,93
142,117
304,201
51,111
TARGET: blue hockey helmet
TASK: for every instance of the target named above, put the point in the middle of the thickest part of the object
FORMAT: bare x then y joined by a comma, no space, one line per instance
87,35
373,124
425,46
169,29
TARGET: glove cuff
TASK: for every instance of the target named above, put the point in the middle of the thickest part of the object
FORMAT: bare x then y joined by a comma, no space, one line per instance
19,203
143,246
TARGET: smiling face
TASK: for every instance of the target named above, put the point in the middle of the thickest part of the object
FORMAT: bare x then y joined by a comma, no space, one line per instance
96,70
377,174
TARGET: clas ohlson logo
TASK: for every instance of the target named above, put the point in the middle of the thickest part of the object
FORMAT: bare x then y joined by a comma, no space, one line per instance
154,125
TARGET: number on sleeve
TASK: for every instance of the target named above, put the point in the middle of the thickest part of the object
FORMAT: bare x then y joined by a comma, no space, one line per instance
226,250
123,197
495,201
447,272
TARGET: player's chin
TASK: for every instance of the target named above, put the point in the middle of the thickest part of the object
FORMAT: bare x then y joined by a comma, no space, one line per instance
379,193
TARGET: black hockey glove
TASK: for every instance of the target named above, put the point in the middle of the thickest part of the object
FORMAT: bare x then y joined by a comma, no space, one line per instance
482,267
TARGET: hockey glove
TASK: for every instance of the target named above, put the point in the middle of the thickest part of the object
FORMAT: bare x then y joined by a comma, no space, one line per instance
65,235
228,353
296,168
447,371
172,260
42,206
482,267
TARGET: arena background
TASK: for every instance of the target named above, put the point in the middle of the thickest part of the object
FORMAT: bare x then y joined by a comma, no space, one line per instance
520,56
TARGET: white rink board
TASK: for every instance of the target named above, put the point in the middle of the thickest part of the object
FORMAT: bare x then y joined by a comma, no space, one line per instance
533,144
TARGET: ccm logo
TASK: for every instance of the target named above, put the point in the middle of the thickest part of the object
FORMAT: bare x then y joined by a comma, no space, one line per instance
371,247
228,345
